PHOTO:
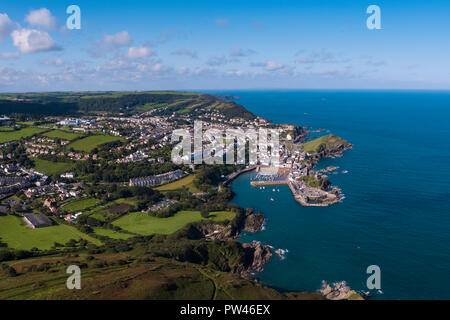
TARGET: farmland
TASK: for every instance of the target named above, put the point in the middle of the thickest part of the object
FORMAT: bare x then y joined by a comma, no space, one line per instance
187,182
61,134
52,168
89,143
323,143
80,205
144,224
17,235
11,135
111,233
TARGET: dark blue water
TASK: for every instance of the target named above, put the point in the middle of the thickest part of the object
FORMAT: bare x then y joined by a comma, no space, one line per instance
396,211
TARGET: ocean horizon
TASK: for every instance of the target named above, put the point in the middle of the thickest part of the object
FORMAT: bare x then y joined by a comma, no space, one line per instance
395,213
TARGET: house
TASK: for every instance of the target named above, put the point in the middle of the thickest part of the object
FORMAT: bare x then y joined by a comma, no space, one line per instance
6,121
68,175
49,202
37,221
72,217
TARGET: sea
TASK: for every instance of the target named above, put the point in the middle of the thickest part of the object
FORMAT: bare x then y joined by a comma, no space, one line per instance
396,182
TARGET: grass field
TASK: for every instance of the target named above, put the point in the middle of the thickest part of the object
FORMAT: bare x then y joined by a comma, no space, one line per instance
80,205
142,223
111,233
7,136
17,235
65,135
185,182
89,143
328,142
51,168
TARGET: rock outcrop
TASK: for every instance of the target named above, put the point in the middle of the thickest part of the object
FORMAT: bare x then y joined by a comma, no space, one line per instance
253,222
338,291
216,232
256,256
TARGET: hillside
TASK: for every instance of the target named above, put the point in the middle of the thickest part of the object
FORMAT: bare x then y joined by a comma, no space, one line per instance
136,274
329,143
128,103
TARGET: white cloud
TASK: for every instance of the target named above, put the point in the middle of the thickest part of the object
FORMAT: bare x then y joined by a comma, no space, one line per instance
29,40
139,52
6,26
273,65
117,40
41,18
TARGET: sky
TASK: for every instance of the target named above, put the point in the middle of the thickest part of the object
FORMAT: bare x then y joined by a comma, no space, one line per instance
223,45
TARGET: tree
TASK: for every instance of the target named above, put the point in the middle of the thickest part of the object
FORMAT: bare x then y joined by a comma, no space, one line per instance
204,212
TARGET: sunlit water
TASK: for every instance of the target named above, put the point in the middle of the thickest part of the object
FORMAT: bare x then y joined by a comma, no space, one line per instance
396,211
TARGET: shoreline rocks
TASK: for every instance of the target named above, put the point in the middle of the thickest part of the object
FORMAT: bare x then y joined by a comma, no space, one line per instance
253,222
256,256
339,291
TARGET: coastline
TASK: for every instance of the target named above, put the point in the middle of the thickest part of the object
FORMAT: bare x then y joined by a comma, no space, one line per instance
308,196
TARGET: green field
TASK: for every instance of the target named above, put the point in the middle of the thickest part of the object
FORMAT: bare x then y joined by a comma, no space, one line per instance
328,142
7,136
111,233
142,223
89,143
65,135
17,235
51,168
80,205
185,182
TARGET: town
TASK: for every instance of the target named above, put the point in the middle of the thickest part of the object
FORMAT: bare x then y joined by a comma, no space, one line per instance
104,178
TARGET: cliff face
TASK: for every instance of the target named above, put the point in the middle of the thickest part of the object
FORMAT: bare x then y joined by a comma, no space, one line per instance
253,222
326,147
256,256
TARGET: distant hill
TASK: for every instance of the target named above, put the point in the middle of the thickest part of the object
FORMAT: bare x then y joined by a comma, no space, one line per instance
111,102
328,143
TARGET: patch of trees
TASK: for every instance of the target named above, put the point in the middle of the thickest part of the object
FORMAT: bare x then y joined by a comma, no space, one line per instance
211,175
38,107
20,155
220,255
121,172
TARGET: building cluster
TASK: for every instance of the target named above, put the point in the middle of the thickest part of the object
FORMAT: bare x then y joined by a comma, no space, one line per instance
6,121
77,122
164,204
155,180
56,190
295,162
14,178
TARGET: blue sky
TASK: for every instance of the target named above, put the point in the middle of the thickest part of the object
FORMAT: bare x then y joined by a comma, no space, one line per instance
224,44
